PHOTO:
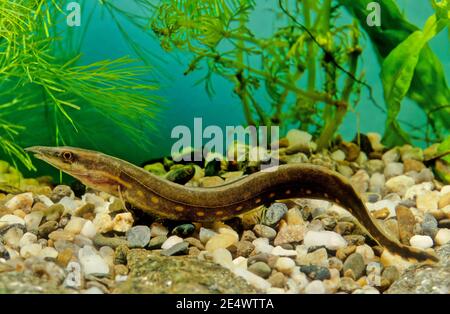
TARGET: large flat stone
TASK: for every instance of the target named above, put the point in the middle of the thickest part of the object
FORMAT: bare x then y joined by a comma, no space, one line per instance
153,273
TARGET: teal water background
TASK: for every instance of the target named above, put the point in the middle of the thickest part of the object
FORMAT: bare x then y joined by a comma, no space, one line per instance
183,100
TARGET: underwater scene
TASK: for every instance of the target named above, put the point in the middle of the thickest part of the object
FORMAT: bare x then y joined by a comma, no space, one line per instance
224,147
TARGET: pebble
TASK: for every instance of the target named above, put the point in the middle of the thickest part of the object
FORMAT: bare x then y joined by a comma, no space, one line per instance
61,191
223,257
376,183
261,269
418,189
88,230
375,166
393,169
107,253
428,201
274,214
220,241
315,287
74,277
264,231
262,246
277,280
206,234
335,263
61,235
103,222
9,219
210,181
354,263
348,284
33,220
366,290
413,165
366,252
390,274
248,235
171,241
279,251
157,242
240,262
122,222
138,236
399,184
429,225
360,181
184,230
64,257
331,240
338,155
22,201
442,236
285,265
244,248
177,249
75,225
48,252
392,155
318,257
421,242
157,229
29,250
91,262
444,200
316,272
255,280
290,234
27,238
12,237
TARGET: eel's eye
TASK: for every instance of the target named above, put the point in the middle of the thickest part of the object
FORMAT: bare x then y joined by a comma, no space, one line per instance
67,156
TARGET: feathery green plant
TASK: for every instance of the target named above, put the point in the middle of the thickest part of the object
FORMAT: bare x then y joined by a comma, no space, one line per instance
40,79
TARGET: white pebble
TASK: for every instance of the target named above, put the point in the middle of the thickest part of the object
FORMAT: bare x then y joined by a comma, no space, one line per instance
122,222
262,245
73,278
46,200
315,287
206,234
30,250
33,220
21,201
279,251
91,262
8,219
75,225
88,230
48,252
421,242
171,241
27,238
240,262
285,265
93,290
223,257
252,279
331,240
442,236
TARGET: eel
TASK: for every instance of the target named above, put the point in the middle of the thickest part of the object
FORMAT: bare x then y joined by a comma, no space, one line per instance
166,199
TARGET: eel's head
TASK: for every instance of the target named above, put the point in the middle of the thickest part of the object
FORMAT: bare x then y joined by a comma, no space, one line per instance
91,168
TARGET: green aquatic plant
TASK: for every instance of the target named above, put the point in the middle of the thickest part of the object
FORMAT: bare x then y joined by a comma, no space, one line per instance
45,89
320,51
308,66
410,68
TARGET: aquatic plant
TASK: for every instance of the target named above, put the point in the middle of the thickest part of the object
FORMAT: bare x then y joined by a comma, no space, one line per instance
309,65
42,79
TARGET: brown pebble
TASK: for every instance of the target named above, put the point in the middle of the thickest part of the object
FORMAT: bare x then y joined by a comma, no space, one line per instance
120,254
277,279
248,235
344,227
406,222
355,239
444,200
413,165
344,252
39,206
64,257
272,260
61,235
382,213
195,242
244,248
